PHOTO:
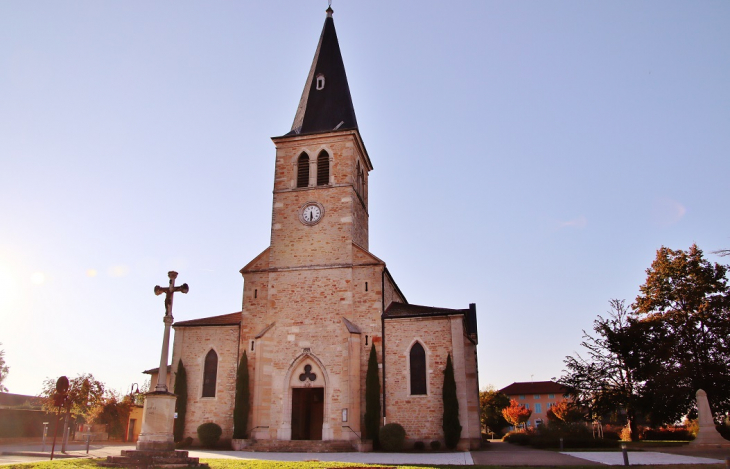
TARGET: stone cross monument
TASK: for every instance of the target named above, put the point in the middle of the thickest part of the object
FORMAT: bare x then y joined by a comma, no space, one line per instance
159,405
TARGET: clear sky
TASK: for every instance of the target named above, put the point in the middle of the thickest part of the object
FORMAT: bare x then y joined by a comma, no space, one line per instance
530,157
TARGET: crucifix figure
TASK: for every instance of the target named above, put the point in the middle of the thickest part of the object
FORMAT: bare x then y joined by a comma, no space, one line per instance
169,292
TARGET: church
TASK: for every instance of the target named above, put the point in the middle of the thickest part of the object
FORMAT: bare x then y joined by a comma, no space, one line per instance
316,301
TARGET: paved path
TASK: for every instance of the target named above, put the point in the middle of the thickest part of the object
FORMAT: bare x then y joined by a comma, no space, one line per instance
615,458
505,454
497,454
456,459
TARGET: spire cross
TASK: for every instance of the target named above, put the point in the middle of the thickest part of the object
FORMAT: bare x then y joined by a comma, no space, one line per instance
169,292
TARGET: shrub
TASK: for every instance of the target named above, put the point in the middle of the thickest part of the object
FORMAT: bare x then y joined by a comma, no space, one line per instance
435,445
518,438
209,434
671,434
419,446
185,443
392,436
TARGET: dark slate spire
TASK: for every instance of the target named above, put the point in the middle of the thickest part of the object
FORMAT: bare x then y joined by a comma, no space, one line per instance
326,104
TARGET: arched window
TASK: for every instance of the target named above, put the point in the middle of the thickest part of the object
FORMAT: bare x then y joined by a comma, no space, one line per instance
418,369
303,170
323,169
210,373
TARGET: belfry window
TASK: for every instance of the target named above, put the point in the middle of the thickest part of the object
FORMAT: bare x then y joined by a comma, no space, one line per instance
323,169
418,369
210,374
303,170
320,82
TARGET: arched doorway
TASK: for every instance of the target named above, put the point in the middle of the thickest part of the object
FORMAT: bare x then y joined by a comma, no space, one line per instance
307,413
307,398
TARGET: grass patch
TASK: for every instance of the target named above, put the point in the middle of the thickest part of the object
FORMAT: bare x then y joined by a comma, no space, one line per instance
247,464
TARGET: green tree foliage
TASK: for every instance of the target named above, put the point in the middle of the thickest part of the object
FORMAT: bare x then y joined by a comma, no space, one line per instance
605,379
685,308
451,424
241,408
113,412
4,369
491,403
372,398
181,404
84,394
516,414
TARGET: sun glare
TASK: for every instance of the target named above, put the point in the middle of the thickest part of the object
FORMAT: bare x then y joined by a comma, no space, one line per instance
38,278
91,273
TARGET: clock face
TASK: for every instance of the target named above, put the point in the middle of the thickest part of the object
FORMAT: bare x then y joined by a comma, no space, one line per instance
311,213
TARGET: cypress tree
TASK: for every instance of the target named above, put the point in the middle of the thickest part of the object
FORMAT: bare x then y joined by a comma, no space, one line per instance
372,399
241,409
451,425
181,404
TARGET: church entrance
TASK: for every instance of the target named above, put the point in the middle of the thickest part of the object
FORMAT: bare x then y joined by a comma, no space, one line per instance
307,413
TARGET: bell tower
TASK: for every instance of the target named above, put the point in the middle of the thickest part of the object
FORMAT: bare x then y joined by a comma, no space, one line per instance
320,202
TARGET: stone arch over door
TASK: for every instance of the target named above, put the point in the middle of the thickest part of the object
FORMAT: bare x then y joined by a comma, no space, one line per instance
305,364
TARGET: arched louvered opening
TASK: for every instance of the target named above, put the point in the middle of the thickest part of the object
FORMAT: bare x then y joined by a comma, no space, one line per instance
210,374
323,169
418,369
358,187
303,170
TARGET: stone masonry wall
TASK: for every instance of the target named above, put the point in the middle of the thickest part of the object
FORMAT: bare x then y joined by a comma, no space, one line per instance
191,345
420,415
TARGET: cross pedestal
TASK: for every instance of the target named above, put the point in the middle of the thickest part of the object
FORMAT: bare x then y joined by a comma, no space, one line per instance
158,422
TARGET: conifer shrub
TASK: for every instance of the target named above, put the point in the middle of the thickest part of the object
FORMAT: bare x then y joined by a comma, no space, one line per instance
419,446
435,445
241,408
209,434
392,437
372,399
451,425
181,404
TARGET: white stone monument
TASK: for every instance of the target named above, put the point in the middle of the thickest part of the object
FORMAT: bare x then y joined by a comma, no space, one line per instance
707,434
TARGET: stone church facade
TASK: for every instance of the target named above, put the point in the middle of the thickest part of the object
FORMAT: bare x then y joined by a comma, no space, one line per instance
316,301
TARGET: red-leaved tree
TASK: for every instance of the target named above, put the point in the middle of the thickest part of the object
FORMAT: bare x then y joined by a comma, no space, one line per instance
515,413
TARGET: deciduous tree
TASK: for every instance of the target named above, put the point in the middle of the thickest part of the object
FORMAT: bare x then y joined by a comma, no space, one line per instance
491,403
685,307
516,414
84,393
112,411
4,369
605,379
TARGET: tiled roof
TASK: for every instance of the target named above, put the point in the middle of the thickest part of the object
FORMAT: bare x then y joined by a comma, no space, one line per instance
534,387
401,310
11,400
405,310
152,371
233,319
